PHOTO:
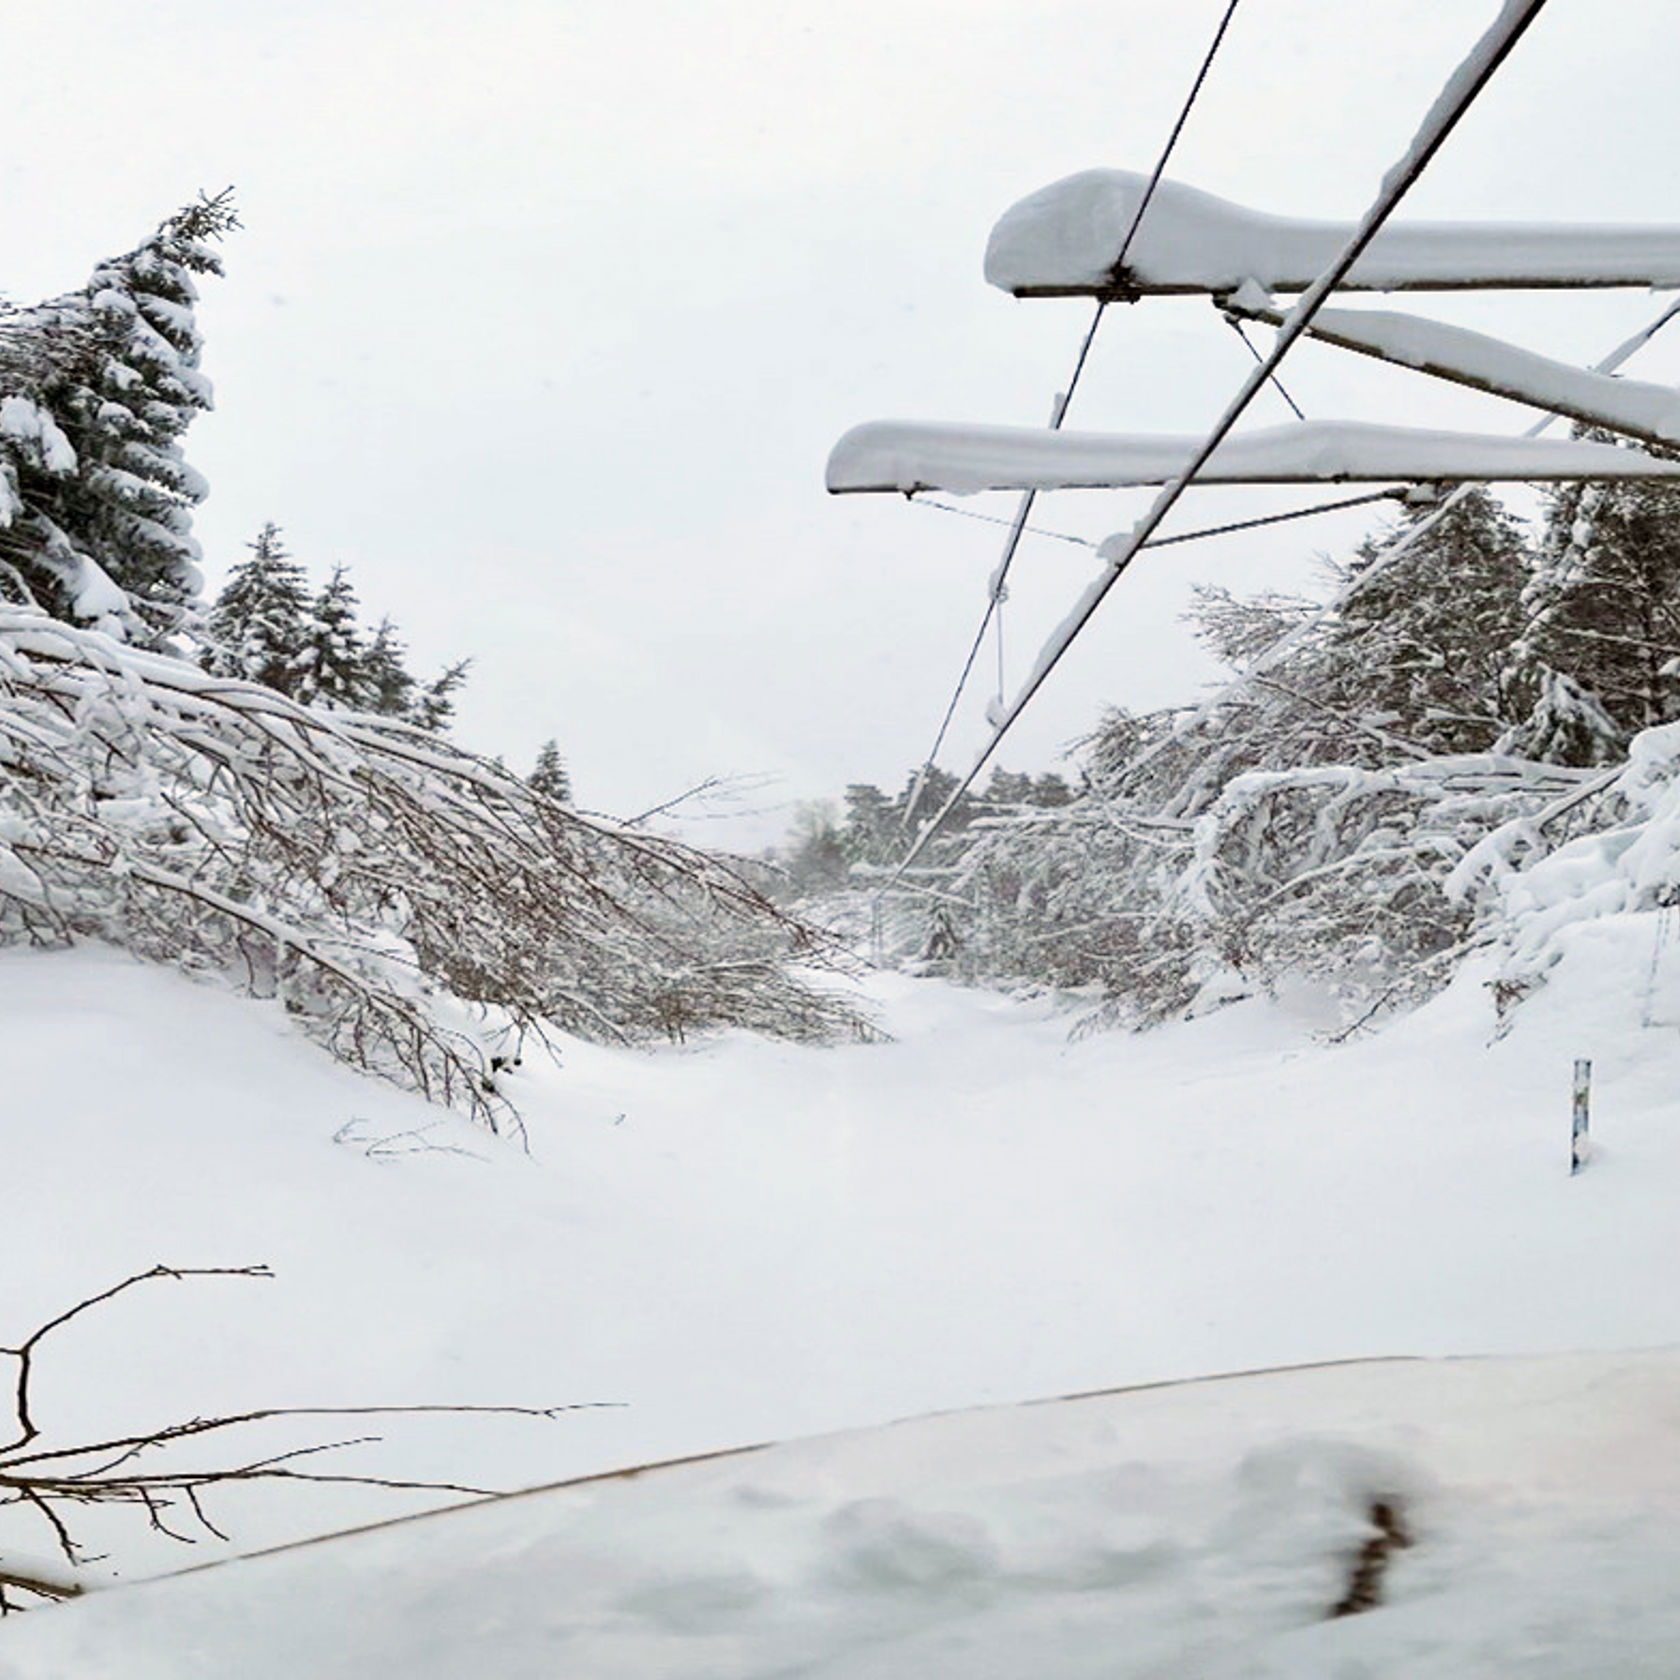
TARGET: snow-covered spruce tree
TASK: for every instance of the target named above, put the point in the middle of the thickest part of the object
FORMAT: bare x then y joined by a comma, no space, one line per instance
412,904
266,627
388,688
1599,654
258,626
97,389
1426,645
331,666
433,706
549,776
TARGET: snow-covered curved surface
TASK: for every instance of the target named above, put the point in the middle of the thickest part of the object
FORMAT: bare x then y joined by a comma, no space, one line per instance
1065,239
910,455
1203,1529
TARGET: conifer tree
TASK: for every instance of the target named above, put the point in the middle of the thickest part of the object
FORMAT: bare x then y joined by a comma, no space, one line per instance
388,687
1416,662
550,777
332,665
98,388
924,796
1051,789
871,833
257,627
435,707
1424,648
1599,657
1009,787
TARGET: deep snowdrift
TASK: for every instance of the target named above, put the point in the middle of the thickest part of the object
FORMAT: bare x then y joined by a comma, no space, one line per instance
746,1241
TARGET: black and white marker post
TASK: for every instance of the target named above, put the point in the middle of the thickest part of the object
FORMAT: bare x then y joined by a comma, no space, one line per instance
1578,1130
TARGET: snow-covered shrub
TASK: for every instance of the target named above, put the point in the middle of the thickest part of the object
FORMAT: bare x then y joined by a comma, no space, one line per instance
1307,821
373,876
1336,873
1614,850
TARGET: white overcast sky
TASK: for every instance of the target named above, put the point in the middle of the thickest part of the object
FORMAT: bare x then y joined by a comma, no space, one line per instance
546,313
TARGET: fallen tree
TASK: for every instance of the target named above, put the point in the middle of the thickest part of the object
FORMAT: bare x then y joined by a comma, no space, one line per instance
418,909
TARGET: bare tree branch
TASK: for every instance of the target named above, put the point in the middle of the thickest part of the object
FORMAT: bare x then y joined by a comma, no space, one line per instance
53,1481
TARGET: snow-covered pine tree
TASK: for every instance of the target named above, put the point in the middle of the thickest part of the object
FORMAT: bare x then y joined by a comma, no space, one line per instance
388,688
550,777
258,625
1423,649
435,706
98,388
332,663
1599,656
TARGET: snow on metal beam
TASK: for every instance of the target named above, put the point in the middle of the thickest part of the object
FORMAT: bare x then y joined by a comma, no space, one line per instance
1064,240
907,456
1632,407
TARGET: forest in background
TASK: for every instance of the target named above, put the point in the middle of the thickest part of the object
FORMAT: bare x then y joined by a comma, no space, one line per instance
260,787
1351,808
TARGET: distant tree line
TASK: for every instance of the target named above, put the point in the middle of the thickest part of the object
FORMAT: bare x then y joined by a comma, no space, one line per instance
1345,810
827,846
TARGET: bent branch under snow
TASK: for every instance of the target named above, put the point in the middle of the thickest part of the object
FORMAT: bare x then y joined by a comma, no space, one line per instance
414,906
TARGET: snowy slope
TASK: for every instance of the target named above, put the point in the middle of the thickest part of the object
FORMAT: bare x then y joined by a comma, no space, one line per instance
746,1242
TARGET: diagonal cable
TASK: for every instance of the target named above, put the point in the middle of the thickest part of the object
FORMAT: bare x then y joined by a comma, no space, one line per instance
1460,93
1389,556
1058,413
1277,384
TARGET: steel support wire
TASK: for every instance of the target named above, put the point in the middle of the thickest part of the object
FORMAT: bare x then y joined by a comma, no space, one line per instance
1058,413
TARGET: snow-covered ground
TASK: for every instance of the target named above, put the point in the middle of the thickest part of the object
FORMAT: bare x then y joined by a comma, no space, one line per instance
743,1242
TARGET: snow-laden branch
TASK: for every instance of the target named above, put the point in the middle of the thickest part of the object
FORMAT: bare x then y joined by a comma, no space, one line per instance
415,907
1064,240
909,456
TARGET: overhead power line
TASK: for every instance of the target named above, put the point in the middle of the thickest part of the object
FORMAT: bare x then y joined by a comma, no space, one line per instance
1018,526
1463,88
1184,536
